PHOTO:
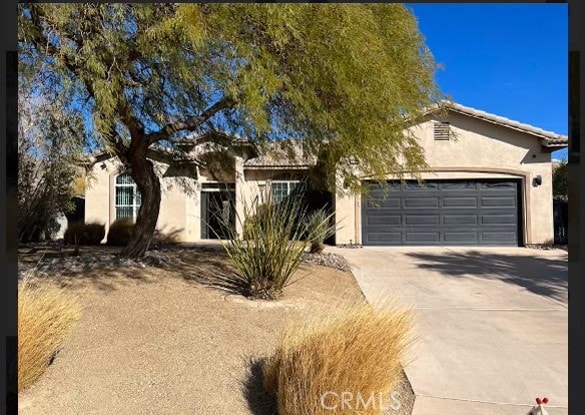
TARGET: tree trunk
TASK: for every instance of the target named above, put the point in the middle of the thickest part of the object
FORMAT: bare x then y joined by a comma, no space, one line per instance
147,182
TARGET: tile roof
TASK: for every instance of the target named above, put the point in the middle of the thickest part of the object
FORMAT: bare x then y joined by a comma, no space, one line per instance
280,154
549,136
292,154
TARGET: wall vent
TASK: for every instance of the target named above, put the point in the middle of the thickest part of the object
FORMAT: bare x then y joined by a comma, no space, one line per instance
441,130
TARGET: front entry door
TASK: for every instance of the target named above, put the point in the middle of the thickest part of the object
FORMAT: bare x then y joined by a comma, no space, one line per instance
217,208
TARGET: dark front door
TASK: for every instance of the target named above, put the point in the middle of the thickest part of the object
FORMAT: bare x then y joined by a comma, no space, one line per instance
456,212
217,209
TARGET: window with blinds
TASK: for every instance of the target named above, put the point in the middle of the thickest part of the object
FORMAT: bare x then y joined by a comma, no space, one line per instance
127,198
441,131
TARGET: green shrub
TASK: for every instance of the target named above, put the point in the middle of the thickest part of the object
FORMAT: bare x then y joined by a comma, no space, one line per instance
276,235
319,222
254,220
120,232
84,233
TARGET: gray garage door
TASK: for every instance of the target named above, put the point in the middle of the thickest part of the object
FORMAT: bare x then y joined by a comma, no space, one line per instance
470,212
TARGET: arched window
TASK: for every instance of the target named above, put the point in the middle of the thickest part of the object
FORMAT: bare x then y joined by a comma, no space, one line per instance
127,197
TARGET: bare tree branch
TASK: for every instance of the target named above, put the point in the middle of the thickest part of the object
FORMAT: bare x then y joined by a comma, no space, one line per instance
41,41
191,123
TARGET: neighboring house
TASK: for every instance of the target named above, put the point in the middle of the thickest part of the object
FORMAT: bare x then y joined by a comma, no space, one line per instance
489,183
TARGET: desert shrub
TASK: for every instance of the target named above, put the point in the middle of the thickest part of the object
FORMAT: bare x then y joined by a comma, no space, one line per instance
49,143
319,222
84,233
276,236
166,238
255,219
357,350
45,317
120,232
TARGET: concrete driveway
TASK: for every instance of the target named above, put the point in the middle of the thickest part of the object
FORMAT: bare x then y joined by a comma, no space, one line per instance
492,324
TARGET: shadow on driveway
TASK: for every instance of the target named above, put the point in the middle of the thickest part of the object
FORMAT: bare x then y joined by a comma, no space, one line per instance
539,274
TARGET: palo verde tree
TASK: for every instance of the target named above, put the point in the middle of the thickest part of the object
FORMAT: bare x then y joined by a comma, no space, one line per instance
340,78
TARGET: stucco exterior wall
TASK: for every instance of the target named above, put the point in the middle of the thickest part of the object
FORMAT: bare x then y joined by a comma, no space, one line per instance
100,198
180,210
478,150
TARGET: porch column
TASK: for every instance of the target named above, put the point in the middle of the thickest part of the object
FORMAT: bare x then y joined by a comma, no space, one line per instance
240,193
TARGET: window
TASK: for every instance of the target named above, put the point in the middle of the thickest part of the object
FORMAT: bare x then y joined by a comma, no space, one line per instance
127,197
282,188
441,130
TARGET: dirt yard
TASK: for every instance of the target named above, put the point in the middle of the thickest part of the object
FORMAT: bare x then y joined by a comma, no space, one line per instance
156,341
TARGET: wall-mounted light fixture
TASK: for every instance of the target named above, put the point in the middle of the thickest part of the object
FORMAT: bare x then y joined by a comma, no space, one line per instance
103,166
537,181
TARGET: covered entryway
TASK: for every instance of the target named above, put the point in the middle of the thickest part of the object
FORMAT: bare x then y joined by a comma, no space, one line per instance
449,212
217,209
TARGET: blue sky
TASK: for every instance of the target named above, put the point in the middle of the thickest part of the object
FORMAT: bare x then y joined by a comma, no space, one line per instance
507,59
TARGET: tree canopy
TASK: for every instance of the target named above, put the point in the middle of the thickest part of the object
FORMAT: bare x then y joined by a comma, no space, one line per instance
341,78
49,144
560,179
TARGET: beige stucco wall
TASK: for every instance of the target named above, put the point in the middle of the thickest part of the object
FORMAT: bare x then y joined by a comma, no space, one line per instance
180,210
480,150
100,198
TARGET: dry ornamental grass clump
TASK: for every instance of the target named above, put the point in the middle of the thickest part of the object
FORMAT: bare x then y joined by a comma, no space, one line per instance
45,317
341,364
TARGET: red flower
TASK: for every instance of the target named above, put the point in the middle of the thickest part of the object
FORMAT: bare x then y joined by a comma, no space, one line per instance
545,400
538,401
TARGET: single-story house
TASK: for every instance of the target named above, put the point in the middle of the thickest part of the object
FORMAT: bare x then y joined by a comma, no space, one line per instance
489,183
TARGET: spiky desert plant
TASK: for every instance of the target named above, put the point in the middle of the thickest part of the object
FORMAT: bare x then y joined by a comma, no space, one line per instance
275,239
320,222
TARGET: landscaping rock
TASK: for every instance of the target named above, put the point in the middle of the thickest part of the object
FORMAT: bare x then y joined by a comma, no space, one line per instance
159,256
327,260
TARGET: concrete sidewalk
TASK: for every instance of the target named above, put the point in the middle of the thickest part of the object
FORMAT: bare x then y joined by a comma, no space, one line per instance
492,324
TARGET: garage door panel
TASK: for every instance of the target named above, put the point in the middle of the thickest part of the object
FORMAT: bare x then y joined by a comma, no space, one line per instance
498,219
458,201
388,203
461,237
422,237
498,201
469,219
427,186
422,220
496,186
385,237
498,237
465,212
421,202
384,219
458,186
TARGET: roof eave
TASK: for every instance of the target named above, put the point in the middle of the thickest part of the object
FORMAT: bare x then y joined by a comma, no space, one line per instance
552,145
278,167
